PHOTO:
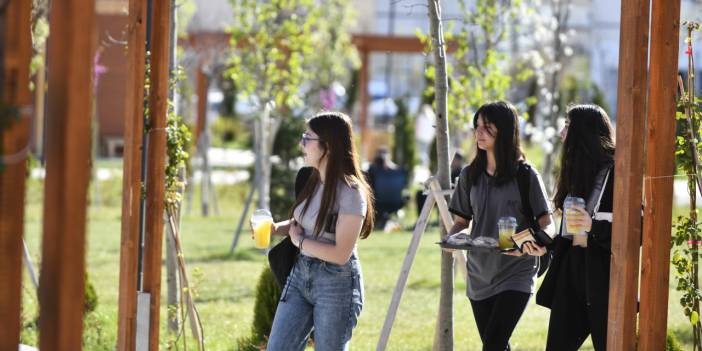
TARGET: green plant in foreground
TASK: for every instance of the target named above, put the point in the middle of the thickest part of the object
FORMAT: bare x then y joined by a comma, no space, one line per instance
687,236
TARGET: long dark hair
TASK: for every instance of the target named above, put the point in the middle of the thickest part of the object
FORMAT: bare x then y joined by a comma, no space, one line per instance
508,151
336,140
588,146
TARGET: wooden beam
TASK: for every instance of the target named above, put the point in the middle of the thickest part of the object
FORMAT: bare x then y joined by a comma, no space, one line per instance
202,83
626,225
363,42
68,162
131,181
204,40
156,156
16,54
660,163
363,79
391,43
369,42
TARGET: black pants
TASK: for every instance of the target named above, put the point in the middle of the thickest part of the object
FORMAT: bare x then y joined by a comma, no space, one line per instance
497,316
573,317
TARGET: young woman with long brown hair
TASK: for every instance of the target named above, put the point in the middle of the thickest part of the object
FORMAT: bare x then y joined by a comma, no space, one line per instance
324,291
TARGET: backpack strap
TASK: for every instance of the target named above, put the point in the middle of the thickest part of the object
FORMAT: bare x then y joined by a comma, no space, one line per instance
596,214
470,185
524,184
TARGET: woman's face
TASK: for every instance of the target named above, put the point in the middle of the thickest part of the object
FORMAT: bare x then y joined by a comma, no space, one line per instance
485,135
564,131
311,150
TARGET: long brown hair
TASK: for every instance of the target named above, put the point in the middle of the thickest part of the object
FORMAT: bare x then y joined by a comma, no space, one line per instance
336,141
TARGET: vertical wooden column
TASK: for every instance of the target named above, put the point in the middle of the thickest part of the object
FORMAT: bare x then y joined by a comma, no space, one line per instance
61,287
626,225
156,156
660,163
363,101
39,103
131,183
202,83
17,49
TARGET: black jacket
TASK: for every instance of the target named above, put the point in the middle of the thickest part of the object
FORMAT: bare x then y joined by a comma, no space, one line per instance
598,256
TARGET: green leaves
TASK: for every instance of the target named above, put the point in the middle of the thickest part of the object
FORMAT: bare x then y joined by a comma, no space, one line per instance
285,47
178,138
687,236
479,72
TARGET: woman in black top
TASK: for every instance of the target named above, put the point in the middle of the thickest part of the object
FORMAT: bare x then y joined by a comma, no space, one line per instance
576,287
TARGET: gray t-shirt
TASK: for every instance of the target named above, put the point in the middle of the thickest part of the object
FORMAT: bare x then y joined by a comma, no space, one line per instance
349,200
492,273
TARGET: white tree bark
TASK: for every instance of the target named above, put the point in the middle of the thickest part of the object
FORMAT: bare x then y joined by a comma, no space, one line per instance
561,11
444,328
265,134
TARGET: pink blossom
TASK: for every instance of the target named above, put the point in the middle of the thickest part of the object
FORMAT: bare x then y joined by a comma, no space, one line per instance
98,69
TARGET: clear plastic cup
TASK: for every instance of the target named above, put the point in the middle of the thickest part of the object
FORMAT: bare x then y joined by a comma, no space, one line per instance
569,205
261,221
506,227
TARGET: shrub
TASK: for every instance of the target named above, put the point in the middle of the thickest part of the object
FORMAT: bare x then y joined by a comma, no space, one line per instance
282,190
404,150
91,300
230,132
283,174
672,344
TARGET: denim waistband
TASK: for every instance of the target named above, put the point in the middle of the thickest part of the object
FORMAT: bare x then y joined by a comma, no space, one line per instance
313,258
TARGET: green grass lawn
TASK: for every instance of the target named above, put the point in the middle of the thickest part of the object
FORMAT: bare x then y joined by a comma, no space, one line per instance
225,284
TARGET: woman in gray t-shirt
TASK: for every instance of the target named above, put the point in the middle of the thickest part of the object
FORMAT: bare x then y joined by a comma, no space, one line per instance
324,291
499,285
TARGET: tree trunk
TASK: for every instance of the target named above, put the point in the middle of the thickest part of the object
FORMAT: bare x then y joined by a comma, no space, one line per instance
205,170
562,12
263,153
444,331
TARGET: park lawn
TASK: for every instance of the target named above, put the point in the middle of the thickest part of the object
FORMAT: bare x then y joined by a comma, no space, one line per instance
225,284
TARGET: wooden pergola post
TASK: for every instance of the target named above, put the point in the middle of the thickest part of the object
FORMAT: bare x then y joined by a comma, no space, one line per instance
17,50
131,182
202,83
367,44
156,156
68,158
363,79
626,224
660,164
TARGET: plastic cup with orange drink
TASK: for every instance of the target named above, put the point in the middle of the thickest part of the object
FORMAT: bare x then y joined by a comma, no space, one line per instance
261,223
572,215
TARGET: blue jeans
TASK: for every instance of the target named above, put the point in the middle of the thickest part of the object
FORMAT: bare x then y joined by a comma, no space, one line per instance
320,295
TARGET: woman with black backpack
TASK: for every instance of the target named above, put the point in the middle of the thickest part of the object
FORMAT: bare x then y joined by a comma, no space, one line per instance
324,290
492,186
576,287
